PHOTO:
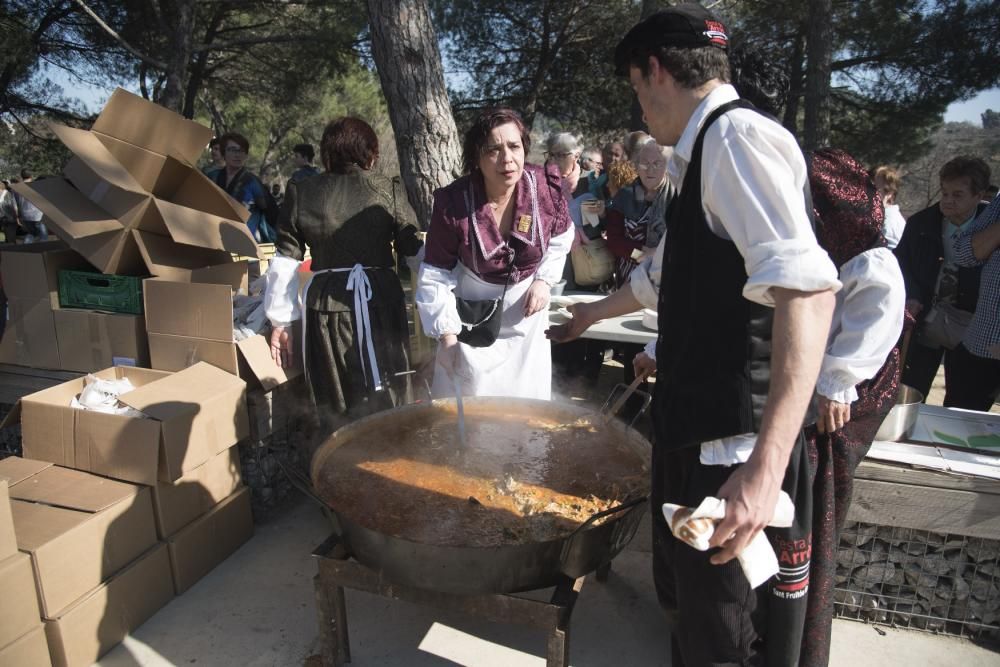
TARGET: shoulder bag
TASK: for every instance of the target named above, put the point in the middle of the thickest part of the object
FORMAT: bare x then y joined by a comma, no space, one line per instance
481,318
593,263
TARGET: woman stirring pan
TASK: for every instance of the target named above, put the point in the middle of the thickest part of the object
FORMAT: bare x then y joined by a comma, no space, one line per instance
505,223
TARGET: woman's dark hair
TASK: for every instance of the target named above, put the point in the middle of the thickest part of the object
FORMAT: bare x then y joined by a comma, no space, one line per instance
305,150
965,166
236,138
758,78
475,138
348,141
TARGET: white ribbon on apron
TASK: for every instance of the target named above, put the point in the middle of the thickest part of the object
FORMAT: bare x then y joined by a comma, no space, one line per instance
358,283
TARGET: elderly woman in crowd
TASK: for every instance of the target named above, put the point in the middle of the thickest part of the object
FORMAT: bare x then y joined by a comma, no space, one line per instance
355,330
501,231
637,218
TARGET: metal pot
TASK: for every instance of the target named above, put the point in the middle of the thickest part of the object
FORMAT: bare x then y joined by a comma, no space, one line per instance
467,570
899,423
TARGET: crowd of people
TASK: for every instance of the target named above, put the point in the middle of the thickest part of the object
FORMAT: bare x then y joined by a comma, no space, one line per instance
783,319
792,298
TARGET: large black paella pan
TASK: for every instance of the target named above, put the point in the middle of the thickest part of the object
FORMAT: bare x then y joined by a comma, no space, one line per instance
538,491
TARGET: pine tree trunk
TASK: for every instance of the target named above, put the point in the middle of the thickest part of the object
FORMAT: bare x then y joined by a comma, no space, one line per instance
405,48
179,57
816,128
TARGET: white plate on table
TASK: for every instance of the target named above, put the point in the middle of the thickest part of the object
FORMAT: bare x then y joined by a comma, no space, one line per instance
563,300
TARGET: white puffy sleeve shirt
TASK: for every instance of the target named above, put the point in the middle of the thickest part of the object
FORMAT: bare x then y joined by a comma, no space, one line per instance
867,322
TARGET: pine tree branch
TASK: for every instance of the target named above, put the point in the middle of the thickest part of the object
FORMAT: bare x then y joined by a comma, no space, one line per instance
152,62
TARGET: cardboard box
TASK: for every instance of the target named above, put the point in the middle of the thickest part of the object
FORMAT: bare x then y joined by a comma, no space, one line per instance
202,330
30,650
94,624
31,272
19,611
179,503
132,202
78,528
8,541
208,541
89,340
30,336
193,415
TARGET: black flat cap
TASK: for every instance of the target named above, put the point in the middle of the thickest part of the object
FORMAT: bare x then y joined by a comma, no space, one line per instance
685,26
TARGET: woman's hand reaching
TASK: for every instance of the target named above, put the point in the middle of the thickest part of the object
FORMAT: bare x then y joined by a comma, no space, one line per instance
537,298
281,347
447,354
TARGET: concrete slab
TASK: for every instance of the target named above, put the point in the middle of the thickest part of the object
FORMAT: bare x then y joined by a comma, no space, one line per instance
257,610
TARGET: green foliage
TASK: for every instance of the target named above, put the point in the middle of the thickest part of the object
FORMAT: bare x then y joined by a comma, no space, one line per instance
991,119
897,65
30,147
274,129
544,57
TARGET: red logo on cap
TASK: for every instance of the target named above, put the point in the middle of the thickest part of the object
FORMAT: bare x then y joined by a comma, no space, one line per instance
716,33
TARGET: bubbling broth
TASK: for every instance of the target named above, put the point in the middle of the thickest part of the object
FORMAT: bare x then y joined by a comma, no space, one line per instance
515,479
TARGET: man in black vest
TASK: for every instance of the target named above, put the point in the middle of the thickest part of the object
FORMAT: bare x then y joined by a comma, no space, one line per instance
738,268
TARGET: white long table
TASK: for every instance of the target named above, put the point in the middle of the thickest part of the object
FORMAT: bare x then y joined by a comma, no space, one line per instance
623,329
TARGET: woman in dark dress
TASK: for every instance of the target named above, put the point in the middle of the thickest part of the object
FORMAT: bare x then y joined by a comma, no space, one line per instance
356,335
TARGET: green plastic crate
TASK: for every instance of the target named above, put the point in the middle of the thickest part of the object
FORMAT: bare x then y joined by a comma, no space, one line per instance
99,291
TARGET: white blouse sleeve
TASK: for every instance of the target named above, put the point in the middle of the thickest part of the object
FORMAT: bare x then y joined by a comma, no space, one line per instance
867,322
436,302
550,269
281,291
645,278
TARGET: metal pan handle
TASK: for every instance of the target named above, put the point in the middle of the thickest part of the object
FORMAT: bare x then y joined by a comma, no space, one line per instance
300,482
611,406
627,505
569,544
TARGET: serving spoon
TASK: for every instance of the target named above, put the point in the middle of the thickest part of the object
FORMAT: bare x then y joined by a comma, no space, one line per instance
461,411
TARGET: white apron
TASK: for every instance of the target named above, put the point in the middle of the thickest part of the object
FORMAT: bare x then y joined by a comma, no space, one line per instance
519,363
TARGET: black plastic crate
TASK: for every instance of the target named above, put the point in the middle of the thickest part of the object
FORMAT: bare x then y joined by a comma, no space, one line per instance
99,291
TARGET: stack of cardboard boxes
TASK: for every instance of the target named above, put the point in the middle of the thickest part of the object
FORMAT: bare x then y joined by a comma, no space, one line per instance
113,513
42,335
136,509
22,636
130,202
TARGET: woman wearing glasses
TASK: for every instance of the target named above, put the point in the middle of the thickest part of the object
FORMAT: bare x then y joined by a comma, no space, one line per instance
637,219
244,186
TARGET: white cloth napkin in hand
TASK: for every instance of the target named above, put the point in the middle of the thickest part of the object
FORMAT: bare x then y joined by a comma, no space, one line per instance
696,527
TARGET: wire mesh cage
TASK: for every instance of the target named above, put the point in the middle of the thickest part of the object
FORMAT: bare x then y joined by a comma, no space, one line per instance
947,584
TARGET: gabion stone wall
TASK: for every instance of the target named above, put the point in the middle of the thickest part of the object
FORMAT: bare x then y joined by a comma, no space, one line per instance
917,579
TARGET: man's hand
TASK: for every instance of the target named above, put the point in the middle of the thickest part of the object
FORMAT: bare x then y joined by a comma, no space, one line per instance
537,298
642,363
580,322
751,494
913,307
801,325
281,347
832,415
447,354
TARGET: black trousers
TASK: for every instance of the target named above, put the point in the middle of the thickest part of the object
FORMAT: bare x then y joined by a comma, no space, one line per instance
973,382
921,365
720,619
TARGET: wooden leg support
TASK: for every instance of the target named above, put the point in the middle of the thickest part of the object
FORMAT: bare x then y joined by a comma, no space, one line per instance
558,648
331,611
